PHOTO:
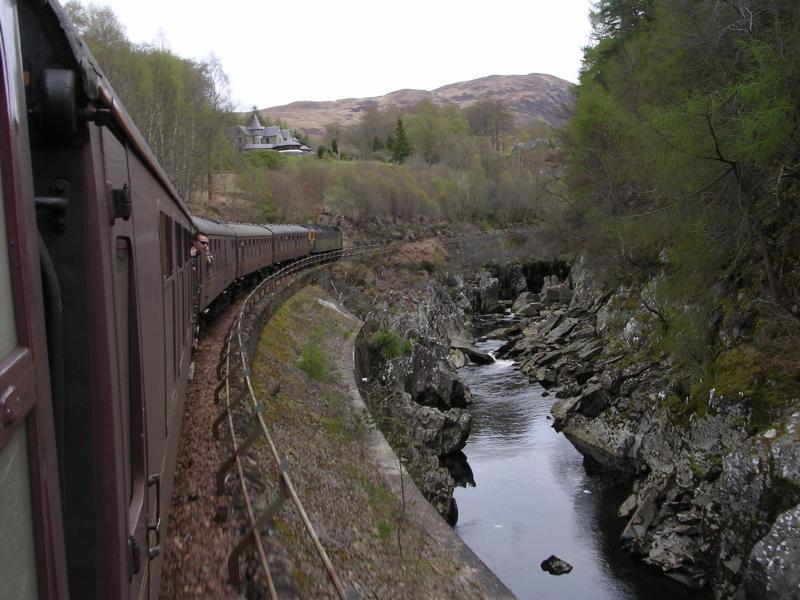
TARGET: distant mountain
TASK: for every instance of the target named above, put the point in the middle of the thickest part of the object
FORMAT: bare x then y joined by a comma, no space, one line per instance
528,97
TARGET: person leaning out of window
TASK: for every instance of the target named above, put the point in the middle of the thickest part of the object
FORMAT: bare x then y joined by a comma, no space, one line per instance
200,248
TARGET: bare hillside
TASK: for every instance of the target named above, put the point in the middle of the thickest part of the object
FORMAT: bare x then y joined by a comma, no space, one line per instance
528,97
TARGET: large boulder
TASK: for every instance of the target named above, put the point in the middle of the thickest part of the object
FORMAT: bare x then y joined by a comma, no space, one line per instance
773,564
476,356
760,484
442,432
593,400
486,294
431,381
555,290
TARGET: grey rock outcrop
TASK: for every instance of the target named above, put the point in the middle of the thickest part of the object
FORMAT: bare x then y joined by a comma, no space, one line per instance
711,504
416,394
486,294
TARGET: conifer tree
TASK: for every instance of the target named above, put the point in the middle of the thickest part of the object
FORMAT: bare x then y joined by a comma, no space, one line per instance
401,146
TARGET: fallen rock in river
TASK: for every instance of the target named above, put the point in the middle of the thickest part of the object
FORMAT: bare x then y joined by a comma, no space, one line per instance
502,333
556,566
475,355
507,346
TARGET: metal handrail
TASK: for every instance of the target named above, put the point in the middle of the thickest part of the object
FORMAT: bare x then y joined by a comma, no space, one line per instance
285,481
262,555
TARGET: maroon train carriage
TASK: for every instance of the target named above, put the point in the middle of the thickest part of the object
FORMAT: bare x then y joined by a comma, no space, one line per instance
254,249
324,238
213,280
94,346
291,241
96,294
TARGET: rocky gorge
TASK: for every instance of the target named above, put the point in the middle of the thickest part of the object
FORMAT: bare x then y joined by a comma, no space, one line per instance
714,494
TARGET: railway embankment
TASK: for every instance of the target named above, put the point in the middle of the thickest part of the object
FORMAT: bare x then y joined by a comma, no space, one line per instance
380,534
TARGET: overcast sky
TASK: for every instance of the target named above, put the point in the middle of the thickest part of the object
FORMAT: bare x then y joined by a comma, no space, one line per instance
276,52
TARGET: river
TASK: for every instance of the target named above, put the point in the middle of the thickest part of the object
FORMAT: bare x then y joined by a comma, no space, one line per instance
533,498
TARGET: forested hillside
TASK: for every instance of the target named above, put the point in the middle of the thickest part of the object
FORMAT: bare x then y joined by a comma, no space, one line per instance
455,166
684,166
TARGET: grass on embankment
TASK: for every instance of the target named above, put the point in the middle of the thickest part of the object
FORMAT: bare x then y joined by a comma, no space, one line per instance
373,541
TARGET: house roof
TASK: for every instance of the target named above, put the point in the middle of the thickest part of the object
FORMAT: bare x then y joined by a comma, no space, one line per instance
255,123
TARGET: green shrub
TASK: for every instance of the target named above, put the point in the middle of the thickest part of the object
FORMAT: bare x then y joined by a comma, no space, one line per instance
315,362
265,159
389,344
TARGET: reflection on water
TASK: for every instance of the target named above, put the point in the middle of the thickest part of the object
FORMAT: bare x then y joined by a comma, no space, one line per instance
533,498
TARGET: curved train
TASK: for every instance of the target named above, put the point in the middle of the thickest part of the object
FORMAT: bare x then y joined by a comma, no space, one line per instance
244,252
97,289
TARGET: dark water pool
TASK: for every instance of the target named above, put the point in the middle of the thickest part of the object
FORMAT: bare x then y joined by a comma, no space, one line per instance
533,498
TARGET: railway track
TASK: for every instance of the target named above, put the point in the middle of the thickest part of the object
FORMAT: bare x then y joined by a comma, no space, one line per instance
237,408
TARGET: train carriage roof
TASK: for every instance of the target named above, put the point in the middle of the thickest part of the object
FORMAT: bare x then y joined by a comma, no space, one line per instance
286,229
212,227
249,230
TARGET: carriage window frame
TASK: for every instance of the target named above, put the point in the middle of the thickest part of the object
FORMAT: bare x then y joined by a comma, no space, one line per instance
167,255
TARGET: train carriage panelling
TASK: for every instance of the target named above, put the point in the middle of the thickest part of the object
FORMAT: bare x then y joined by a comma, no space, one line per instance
158,274
130,400
214,279
108,270
291,241
168,296
254,248
89,417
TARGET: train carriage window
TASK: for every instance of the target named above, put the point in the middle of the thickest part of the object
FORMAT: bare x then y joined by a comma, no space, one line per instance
8,333
16,521
17,547
122,289
186,244
130,395
166,246
176,238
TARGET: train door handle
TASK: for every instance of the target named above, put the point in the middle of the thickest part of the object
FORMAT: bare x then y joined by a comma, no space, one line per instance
155,480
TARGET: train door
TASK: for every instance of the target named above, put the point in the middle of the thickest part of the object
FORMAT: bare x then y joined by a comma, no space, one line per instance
32,553
132,431
25,431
